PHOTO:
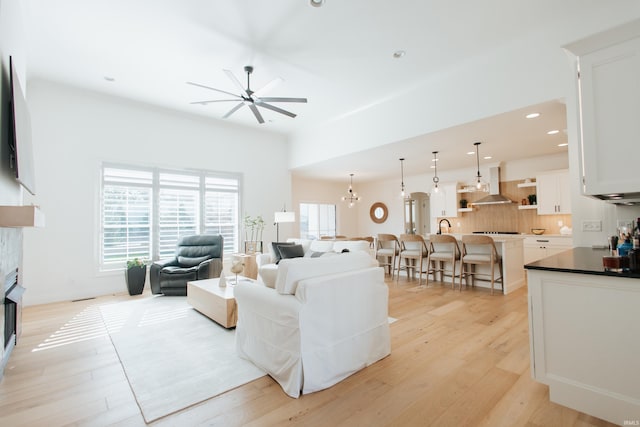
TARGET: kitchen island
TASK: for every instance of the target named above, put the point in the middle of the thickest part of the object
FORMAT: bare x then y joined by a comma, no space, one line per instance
584,334
510,248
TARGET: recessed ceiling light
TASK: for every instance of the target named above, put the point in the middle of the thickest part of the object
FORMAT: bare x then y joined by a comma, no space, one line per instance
487,157
553,132
109,79
471,152
532,115
316,3
399,54
564,144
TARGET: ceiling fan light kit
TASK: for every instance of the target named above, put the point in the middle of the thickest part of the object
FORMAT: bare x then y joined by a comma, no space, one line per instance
250,98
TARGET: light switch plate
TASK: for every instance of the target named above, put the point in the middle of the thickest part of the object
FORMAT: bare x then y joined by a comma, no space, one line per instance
594,225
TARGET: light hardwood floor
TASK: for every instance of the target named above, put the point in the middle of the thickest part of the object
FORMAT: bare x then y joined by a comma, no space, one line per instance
458,359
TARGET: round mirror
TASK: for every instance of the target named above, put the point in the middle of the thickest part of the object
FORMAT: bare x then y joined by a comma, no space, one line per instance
378,212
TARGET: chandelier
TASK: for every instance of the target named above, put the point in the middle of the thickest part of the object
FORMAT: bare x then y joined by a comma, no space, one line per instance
351,196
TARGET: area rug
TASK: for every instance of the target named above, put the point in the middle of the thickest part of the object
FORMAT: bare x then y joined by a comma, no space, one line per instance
172,355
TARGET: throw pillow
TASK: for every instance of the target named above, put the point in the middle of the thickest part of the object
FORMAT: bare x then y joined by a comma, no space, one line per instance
290,251
314,254
276,252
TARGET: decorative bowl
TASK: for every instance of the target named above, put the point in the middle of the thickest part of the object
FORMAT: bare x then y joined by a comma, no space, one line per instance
538,231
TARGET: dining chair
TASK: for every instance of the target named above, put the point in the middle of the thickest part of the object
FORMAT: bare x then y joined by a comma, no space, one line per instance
387,248
480,250
413,250
443,251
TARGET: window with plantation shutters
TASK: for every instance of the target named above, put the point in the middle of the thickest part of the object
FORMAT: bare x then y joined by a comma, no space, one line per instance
178,210
126,216
146,211
221,210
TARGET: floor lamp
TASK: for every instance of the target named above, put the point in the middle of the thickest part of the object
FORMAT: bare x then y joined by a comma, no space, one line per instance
280,217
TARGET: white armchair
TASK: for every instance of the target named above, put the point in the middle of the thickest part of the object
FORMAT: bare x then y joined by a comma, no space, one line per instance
326,319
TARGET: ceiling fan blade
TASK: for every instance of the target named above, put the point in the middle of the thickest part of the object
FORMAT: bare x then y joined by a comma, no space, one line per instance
276,109
233,78
273,83
214,100
277,99
256,113
212,88
233,110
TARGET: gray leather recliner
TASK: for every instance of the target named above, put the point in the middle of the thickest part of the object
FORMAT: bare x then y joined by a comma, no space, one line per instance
197,257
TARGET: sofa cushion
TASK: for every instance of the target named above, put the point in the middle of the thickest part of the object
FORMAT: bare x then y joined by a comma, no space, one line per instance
269,274
275,251
352,245
290,251
306,243
321,245
291,271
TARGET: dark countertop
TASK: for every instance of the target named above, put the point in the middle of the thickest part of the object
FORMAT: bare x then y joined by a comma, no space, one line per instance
579,260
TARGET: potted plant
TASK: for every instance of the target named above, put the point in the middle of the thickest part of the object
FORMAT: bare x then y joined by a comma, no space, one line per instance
463,203
533,199
135,276
253,234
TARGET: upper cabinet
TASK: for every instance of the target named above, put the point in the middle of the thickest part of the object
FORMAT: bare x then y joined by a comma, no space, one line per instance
553,193
445,202
608,77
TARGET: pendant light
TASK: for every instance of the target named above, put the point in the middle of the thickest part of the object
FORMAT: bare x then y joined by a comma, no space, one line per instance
436,180
479,184
351,195
402,177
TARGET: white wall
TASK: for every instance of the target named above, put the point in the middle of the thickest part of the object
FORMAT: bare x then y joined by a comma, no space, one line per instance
314,191
518,74
11,44
74,131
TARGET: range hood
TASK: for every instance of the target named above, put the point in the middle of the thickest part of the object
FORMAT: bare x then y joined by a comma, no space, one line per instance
494,197
620,199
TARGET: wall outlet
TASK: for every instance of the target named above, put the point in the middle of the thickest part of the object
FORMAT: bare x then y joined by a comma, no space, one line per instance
595,225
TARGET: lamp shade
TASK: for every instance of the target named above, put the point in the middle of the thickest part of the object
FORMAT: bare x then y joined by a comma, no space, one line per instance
279,217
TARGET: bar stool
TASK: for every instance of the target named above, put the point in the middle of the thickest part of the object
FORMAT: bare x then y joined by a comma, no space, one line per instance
387,247
443,249
480,250
413,250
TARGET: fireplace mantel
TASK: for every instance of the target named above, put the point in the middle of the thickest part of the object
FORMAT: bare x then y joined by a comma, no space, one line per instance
21,216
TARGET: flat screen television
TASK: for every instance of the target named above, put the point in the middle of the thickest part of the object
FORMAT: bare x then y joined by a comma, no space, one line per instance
20,134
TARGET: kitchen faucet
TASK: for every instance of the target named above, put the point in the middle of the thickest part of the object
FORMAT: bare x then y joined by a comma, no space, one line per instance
440,225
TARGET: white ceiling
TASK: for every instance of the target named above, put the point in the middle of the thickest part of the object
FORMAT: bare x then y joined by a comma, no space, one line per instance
339,56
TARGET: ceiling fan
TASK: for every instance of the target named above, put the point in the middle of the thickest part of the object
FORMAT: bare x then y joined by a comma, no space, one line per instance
249,97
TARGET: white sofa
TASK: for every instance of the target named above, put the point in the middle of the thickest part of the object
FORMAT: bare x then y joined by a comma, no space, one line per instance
326,319
268,270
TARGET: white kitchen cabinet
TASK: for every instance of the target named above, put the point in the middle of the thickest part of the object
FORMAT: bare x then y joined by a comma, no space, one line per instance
583,332
608,78
538,247
554,194
445,202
